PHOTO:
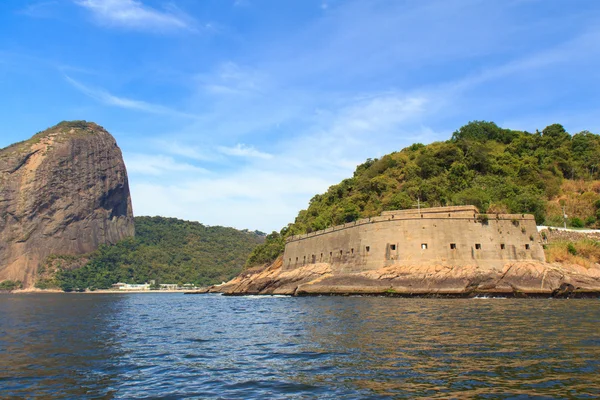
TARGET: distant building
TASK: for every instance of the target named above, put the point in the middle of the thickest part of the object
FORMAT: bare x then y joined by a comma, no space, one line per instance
169,286
132,286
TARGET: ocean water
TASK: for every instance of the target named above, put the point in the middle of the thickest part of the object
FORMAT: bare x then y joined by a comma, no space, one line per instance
208,346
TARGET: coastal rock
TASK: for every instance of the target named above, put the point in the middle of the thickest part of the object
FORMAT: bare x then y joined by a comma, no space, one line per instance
514,279
64,191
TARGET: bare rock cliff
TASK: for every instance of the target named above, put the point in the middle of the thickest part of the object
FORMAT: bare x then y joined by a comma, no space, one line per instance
64,191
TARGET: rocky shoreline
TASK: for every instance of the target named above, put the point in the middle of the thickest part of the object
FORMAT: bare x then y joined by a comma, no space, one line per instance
517,279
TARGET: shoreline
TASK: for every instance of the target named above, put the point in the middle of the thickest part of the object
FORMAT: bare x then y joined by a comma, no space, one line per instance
107,291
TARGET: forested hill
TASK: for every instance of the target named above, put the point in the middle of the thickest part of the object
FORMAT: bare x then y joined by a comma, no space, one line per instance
495,169
167,250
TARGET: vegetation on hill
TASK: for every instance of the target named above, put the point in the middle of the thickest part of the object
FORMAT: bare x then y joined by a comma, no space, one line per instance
166,250
497,170
10,285
584,252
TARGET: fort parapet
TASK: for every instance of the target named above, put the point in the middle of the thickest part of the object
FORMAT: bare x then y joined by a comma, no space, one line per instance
454,236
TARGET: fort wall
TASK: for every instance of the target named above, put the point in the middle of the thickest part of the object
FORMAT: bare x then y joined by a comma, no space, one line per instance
454,236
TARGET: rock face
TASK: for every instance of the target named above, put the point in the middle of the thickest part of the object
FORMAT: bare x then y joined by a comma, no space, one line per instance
526,278
64,191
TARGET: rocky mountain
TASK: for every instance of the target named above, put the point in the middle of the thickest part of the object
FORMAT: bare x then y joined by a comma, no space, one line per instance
64,191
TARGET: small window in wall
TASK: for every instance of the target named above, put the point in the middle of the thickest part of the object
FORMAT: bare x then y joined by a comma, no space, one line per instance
423,246
341,252
453,246
477,246
290,260
331,254
305,259
527,247
502,246
392,247
352,251
368,248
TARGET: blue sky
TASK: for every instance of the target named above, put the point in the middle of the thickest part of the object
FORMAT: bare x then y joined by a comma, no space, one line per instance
236,112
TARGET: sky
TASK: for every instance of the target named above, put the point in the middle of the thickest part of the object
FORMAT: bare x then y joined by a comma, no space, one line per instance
237,112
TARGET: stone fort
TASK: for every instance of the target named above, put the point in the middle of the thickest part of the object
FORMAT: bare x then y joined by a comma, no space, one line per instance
450,236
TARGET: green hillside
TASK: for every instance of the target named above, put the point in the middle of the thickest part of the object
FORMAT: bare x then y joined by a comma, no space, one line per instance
495,169
167,250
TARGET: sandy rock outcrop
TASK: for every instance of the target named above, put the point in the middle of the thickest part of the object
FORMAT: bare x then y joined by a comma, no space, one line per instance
64,191
515,279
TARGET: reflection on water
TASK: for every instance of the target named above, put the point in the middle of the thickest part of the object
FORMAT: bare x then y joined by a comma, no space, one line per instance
173,346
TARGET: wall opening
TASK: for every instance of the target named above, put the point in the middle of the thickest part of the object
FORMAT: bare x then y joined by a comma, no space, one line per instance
304,262
527,246
477,246
452,246
423,246
296,259
502,246
341,252
352,251
314,259
392,247
367,248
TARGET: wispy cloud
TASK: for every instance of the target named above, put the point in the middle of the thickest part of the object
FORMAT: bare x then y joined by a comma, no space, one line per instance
193,152
123,102
43,9
135,15
232,79
241,150
158,165
271,187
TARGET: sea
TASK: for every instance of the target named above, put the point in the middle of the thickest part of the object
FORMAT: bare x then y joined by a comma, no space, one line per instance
176,346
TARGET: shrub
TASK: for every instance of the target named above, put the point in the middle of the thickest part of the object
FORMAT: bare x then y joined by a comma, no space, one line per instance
571,249
483,218
10,285
589,221
577,222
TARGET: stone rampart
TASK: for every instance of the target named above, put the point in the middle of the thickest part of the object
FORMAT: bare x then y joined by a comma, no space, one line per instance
454,236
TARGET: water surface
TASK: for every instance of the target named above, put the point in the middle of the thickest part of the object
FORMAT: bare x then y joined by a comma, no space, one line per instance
210,346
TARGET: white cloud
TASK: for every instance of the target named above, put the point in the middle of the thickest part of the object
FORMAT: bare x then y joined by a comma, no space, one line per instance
314,93
123,102
188,151
134,14
251,199
241,150
157,165
270,189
